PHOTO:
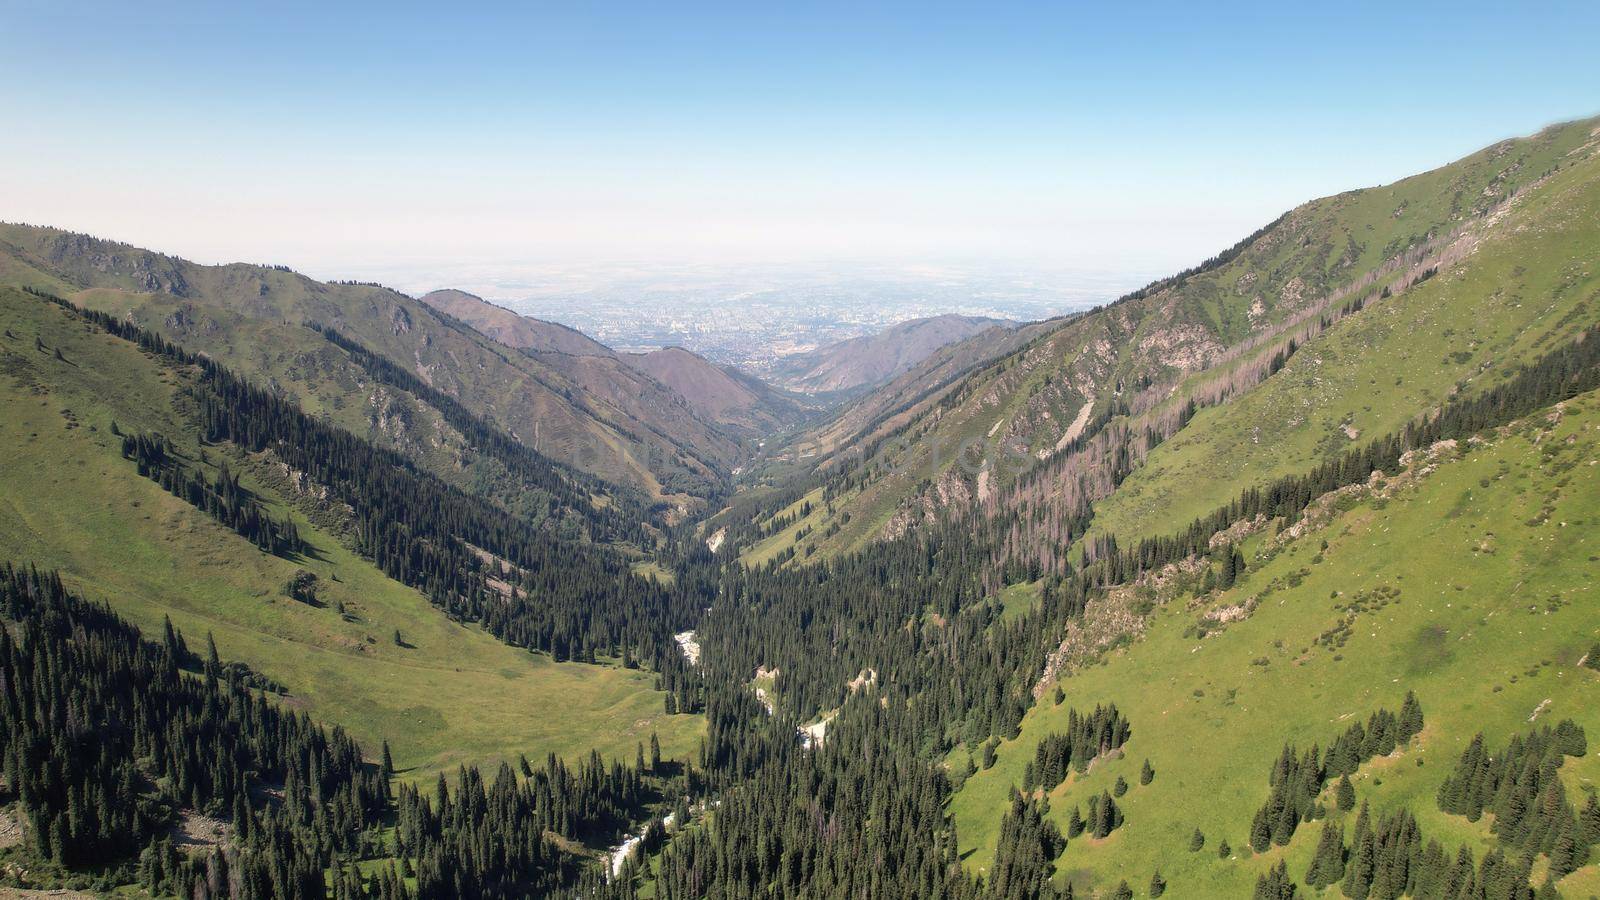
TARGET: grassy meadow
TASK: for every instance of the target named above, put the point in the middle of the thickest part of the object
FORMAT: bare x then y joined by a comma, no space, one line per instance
1496,558
448,694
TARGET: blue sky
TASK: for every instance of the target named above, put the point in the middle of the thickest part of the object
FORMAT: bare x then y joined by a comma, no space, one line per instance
1050,136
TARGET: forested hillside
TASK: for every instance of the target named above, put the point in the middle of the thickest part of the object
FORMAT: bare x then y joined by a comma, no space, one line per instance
738,403
633,432
330,615
1273,579
1052,424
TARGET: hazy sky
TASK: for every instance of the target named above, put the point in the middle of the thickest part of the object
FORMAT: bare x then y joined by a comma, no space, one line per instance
1138,136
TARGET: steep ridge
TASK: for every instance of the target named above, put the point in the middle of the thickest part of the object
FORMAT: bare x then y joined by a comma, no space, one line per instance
736,400
870,360
351,645
1217,582
1521,281
1054,424
739,403
514,329
257,317
1465,576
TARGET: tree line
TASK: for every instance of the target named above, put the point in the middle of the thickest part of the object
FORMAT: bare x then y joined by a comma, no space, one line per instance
571,599
106,740
1298,780
221,497
563,490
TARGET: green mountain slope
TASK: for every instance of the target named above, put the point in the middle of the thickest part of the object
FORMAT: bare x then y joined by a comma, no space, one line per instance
1469,579
739,404
1057,421
870,360
1528,277
69,500
254,317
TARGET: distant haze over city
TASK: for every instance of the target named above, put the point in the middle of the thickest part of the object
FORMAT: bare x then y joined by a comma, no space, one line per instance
752,315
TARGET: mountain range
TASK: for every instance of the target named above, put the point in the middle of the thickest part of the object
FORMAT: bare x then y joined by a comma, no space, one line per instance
720,395
864,362
1272,578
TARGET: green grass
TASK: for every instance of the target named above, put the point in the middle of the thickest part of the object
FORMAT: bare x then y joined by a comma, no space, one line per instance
1497,559
770,546
454,695
1535,277
254,317
649,568
1320,247
1017,599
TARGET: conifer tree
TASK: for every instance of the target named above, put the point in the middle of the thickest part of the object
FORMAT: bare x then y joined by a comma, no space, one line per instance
1345,794
1275,884
1230,567
1363,862
1410,718
1327,867
1261,831
1589,820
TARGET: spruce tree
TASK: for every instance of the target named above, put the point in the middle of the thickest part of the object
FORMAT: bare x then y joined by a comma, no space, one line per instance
1196,841
1410,718
1361,867
1589,819
1275,885
1146,773
1261,831
1327,867
1564,849
1230,568
1158,885
1345,794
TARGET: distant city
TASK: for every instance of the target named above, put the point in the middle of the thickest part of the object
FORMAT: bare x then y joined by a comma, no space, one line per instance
753,317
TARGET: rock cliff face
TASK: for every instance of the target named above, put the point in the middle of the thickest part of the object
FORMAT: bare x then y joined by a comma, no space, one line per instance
139,270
